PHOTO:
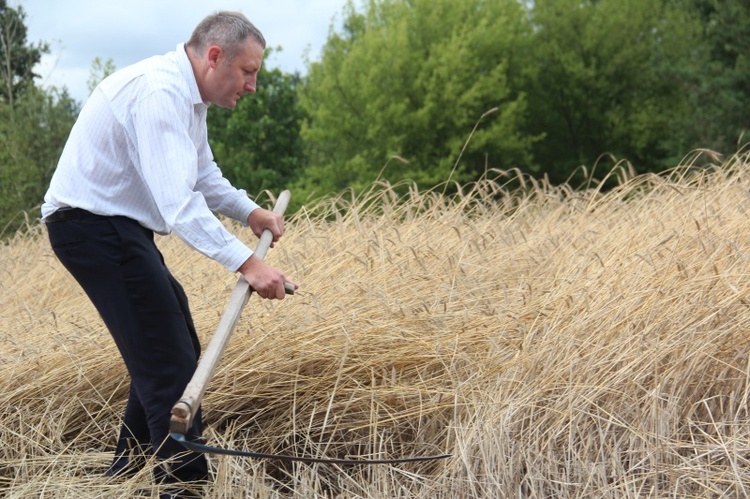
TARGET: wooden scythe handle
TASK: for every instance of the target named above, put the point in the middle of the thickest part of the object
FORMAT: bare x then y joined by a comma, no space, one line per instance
184,410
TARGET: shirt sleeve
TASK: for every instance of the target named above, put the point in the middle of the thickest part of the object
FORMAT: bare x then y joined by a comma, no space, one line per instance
167,159
220,194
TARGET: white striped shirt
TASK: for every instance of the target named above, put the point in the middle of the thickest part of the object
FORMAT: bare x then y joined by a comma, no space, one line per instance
140,149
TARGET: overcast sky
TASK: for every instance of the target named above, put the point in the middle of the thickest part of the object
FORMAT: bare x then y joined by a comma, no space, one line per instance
130,30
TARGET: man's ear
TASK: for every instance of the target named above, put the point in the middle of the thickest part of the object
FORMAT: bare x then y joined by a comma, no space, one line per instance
214,55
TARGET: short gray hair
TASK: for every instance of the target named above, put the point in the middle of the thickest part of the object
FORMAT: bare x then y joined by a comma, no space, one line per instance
228,30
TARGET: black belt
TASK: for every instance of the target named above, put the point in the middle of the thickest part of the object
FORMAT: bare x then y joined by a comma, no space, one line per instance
64,214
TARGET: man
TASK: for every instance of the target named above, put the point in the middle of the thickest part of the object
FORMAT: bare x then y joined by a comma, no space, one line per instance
136,162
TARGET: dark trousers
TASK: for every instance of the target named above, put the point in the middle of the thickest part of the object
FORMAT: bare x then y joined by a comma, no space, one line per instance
116,262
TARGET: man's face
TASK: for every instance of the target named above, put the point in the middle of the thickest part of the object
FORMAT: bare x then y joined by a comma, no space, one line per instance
227,81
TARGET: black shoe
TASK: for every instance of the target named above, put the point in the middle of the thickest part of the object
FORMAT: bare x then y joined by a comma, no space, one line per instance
126,466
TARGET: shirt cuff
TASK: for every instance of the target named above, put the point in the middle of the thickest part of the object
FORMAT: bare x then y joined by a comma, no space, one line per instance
234,255
241,209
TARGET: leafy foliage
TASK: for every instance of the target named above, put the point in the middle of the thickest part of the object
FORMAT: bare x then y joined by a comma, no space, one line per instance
571,82
34,123
18,57
599,82
431,90
32,136
100,69
258,144
716,78
410,80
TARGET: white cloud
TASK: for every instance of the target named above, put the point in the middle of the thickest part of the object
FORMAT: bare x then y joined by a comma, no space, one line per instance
80,30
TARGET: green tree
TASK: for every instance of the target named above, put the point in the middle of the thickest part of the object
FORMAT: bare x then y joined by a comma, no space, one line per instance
17,56
258,144
34,123
99,70
716,79
30,146
600,81
410,80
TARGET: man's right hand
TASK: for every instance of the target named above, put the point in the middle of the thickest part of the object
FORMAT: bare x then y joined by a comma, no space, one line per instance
267,281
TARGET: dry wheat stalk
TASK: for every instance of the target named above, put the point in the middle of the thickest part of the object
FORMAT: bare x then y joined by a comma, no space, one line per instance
560,342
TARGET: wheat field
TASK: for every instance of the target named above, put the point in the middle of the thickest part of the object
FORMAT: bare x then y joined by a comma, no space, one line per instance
558,342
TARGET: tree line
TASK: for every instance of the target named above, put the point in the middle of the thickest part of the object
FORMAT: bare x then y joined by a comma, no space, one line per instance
434,90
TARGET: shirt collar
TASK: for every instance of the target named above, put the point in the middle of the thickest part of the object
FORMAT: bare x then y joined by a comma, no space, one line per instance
187,72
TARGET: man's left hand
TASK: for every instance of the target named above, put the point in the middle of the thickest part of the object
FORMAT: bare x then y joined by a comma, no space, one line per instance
261,219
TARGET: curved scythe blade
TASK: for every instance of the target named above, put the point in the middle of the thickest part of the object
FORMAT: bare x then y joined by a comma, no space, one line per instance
196,447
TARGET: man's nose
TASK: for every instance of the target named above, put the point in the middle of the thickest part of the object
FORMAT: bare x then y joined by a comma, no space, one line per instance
250,86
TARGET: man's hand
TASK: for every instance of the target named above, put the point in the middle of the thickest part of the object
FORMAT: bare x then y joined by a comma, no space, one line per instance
267,281
260,220
264,279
